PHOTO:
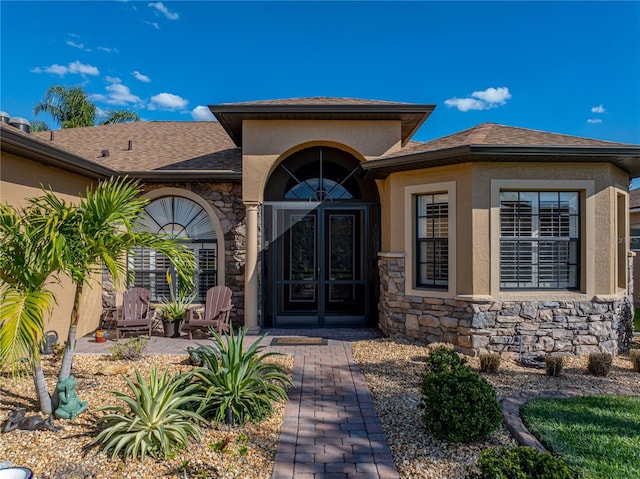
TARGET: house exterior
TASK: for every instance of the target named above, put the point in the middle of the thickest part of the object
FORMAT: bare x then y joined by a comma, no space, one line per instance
634,222
322,212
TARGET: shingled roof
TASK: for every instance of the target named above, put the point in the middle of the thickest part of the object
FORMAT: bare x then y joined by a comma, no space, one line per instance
494,142
318,100
153,146
495,134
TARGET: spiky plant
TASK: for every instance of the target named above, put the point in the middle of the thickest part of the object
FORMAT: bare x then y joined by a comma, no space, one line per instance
237,380
155,422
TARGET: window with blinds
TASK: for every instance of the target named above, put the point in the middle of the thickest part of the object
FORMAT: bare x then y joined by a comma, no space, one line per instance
432,241
188,222
539,239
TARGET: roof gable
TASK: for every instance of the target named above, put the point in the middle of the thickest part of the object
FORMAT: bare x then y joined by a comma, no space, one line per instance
410,115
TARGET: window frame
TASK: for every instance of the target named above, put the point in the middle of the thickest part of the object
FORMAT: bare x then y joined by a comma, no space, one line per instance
192,244
411,244
438,241
538,222
586,280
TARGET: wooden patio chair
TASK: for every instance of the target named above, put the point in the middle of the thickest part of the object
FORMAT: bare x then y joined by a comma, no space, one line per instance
135,314
215,311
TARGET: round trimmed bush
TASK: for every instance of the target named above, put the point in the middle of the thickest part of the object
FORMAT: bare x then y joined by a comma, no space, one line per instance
519,463
459,406
444,359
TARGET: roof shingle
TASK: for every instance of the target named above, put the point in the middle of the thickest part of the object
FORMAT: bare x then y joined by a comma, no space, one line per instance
156,146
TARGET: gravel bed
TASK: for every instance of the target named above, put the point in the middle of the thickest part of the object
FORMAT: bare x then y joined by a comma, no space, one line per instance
61,455
393,369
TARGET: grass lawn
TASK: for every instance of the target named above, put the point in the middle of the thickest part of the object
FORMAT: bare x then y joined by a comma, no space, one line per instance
636,320
598,436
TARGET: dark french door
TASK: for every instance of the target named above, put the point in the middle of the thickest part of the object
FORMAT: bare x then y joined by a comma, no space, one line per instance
317,266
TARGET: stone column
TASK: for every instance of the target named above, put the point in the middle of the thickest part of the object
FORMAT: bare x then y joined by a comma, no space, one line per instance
250,270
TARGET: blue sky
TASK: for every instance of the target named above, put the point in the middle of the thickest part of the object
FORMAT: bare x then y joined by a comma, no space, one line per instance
570,67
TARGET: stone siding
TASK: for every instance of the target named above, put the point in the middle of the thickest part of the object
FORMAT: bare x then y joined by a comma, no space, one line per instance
570,327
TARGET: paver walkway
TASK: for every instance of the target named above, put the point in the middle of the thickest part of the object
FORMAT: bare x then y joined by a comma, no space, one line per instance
330,428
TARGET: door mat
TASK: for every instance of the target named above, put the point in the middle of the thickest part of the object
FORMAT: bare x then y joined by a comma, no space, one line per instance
292,341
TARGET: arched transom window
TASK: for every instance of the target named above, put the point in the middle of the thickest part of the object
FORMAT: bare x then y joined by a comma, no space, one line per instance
186,220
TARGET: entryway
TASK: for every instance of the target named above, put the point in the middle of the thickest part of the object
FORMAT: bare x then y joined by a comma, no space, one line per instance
321,237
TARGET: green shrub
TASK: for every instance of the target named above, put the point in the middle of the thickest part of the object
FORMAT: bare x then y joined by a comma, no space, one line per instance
131,350
459,405
634,355
155,422
519,463
444,359
489,363
239,380
554,365
600,364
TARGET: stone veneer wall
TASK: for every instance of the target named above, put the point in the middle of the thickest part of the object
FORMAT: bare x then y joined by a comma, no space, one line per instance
571,327
226,200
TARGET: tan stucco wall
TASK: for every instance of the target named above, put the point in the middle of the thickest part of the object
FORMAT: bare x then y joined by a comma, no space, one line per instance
20,179
476,260
394,223
266,142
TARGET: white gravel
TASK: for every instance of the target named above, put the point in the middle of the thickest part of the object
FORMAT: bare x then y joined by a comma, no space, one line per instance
60,454
393,369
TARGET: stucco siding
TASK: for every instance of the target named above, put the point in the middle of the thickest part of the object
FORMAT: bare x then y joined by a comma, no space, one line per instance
21,179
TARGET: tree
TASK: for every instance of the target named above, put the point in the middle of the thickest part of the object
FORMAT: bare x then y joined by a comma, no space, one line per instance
71,107
98,233
27,263
51,236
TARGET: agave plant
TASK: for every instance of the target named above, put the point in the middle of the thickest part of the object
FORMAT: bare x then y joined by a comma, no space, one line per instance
239,381
155,422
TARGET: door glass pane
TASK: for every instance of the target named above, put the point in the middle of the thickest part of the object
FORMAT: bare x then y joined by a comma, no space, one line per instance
302,249
341,246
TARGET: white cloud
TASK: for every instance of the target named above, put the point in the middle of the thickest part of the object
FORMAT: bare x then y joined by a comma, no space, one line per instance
598,109
54,69
497,96
154,25
117,94
481,99
62,70
167,101
113,79
75,45
202,113
108,50
139,76
164,10
594,120
81,68
120,94
465,104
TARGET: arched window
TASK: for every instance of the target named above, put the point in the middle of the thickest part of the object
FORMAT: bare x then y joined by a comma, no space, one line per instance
188,221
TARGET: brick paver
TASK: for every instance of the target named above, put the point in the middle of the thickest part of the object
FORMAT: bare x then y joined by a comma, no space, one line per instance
330,428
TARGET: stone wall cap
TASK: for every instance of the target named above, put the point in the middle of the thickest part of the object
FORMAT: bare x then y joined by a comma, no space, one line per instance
391,254
474,298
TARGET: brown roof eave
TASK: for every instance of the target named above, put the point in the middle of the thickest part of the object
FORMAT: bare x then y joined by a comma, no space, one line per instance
21,144
227,114
626,158
185,175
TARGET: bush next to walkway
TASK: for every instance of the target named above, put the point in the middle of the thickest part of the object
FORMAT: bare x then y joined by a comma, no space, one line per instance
519,463
458,404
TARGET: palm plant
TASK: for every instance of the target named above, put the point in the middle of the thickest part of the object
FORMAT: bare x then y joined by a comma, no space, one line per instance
72,108
98,233
27,261
236,380
155,422
50,236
